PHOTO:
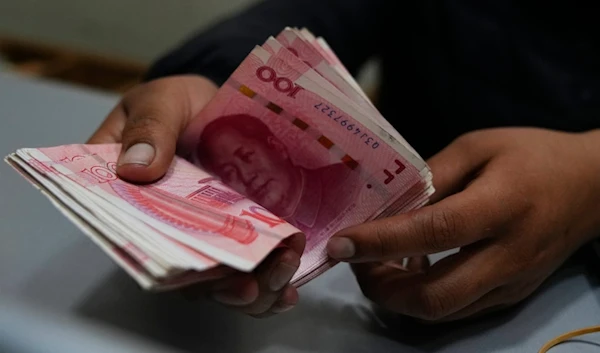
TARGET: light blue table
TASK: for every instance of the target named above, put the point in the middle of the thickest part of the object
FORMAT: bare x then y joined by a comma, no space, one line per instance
58,290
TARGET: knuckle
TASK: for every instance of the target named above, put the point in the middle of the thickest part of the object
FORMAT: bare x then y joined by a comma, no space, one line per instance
467,139
440,229
157,105
385,242
432,304
135,95
516,259
154,86
147,124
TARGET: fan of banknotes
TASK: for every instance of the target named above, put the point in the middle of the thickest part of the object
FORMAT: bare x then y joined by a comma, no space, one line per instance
289,144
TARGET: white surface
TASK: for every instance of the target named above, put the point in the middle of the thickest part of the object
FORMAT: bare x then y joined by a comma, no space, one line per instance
45,262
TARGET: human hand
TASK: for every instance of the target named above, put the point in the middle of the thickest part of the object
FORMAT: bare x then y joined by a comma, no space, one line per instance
148,122
516,201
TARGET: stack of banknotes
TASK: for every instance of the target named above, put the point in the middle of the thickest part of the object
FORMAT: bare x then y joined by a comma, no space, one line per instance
289,144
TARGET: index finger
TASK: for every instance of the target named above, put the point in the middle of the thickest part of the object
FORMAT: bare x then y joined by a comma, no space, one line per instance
449,286
476,213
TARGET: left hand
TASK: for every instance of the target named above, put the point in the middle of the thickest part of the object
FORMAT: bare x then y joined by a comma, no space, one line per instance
148,122
516,201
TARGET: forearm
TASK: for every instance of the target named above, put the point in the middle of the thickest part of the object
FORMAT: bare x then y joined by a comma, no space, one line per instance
592,143
350,26
591,182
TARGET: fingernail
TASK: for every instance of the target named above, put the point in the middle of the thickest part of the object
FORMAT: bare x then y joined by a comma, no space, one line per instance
341,248
281,275
281,309
140,153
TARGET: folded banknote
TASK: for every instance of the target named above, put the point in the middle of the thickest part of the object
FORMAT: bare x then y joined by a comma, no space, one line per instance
289,144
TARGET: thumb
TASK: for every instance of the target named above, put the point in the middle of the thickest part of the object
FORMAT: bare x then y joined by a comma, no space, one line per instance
157,113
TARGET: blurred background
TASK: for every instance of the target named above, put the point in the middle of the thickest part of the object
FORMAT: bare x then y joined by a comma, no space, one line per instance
104,44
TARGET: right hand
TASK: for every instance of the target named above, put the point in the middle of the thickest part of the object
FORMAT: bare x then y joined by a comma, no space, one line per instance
147,122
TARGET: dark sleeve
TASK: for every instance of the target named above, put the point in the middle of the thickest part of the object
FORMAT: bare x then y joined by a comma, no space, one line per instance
351,27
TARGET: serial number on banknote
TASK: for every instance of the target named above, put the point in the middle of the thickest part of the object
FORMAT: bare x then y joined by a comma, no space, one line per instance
348,125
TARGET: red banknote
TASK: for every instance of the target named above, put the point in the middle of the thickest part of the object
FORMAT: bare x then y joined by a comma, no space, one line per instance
289,144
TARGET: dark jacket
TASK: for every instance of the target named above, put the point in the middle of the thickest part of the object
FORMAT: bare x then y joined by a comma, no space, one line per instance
449,66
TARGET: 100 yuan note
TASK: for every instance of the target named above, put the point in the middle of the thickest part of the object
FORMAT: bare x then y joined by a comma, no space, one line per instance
274,135
316,54
139,240
183,205
140,265
137,264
